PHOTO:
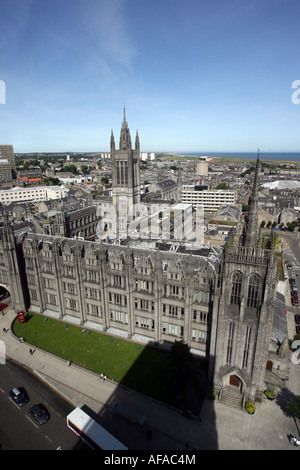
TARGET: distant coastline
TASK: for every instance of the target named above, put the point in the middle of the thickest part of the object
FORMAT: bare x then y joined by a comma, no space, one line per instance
264,156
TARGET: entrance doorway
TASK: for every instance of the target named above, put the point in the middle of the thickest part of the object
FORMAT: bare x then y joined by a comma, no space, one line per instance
235,381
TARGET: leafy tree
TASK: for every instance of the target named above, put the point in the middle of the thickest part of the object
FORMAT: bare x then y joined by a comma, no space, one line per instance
104,180
53,181
294,406
85,169
71,169
222,186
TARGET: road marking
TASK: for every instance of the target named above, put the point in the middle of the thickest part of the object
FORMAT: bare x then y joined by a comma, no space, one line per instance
2,390
14,403
34,424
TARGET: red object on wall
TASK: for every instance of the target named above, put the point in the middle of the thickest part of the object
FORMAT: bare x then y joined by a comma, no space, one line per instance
21,316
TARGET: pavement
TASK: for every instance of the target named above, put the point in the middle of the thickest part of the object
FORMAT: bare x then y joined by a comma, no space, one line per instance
220,427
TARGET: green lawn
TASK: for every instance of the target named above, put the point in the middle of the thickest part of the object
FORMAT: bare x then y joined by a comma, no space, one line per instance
141,368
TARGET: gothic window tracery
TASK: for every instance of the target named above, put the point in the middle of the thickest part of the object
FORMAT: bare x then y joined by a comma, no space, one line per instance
236,290
253,289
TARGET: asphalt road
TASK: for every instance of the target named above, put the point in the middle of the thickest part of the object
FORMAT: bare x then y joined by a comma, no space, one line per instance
18,430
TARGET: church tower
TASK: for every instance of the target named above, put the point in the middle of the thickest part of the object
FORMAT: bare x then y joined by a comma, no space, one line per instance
243,310
126,184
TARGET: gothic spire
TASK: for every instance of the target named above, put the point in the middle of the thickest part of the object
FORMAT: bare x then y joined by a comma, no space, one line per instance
125,139
124,124
252,225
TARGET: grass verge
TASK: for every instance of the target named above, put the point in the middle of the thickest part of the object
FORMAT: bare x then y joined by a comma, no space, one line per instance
142,368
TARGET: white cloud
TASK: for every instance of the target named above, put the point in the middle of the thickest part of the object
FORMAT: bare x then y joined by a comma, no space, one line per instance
107,29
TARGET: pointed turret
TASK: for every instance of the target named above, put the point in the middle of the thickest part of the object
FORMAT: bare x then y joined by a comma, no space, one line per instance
112,141
137,141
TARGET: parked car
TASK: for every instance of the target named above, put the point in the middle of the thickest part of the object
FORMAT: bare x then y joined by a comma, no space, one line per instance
39,413
2,306
295,300
298,329
297,318
19,396
292,280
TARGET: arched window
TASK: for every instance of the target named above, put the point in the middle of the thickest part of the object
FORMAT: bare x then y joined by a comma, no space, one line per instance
237,280
253,289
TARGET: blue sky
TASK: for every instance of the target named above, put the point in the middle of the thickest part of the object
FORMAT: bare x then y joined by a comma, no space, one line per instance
194,75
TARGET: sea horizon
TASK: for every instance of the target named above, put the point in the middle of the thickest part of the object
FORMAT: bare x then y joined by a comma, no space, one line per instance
263,156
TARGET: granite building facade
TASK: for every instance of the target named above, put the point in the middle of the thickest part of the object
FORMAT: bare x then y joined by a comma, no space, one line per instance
220,301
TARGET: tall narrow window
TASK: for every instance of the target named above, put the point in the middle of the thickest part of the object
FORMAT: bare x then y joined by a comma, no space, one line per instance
247,347
236,288
230,343
253,289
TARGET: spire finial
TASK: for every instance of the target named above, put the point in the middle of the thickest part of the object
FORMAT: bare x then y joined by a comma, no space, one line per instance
124,115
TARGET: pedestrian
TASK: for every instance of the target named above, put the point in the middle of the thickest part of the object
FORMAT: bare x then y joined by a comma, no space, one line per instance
101,376
69,363
4,330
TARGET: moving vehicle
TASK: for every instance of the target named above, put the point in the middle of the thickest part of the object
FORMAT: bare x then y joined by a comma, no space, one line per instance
289,266
39,413
91,432
19,396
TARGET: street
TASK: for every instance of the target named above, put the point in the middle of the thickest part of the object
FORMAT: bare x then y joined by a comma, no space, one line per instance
18,430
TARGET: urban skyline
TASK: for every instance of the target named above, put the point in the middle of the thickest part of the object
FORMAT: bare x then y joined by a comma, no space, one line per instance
193,75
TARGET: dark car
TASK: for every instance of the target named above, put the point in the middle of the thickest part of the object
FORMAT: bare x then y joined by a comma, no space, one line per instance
39,413
19,396
297,318
289,266
298,329
292,280
2,306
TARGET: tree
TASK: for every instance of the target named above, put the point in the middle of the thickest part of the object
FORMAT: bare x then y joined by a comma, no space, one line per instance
85,169
294,406
71,169
222,186
104,180
53,181
292,225
263,224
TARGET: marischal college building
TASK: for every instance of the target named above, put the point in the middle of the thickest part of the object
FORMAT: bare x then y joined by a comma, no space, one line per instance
223,302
